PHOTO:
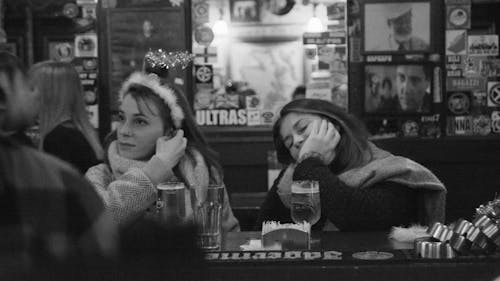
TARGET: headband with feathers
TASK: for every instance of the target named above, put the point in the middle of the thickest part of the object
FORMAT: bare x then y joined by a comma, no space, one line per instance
152,82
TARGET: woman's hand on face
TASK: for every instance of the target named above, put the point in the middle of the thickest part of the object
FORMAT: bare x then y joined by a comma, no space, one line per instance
171,150
322,141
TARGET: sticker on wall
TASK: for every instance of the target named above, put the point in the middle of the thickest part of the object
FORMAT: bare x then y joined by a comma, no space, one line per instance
325,56
459,125
355,50
86,45
205,54
482,45
490,68
495,122
200,12
203,99
479,102
458,16
61,51
493,94
464,84
472,66
430,126
89,11
203,75
456,42
253,117
454,66
481,125
410,128
459,103
203,35
310,52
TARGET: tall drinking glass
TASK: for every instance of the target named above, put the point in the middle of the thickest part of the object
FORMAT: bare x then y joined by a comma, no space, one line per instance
305,202
207,210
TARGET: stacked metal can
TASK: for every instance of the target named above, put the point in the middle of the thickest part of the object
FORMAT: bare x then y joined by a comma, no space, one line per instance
461,237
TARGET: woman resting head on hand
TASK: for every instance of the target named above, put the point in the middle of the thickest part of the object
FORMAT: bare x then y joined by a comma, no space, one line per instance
156,140
362,187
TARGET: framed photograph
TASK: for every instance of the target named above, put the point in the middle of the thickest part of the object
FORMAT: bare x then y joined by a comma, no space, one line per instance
132,32
60,48
244,10
397,27
398,89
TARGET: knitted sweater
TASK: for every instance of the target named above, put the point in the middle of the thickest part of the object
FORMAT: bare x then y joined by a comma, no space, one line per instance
130,194
383,205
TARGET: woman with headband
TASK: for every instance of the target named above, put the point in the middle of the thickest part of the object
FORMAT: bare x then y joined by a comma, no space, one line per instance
156,140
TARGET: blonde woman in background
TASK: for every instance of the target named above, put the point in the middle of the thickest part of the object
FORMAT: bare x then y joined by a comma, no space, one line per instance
65,129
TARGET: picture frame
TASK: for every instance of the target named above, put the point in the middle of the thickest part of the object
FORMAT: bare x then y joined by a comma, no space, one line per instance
398,89
59,48
244,11
397,27
131,32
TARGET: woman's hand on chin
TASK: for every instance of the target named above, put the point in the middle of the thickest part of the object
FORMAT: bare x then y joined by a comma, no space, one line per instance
168,153
321,142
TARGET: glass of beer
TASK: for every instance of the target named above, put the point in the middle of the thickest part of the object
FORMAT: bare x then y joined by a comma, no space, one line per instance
170,203
305,202
207,210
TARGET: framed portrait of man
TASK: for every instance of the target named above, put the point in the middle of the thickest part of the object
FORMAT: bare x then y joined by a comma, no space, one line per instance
397,89
397,27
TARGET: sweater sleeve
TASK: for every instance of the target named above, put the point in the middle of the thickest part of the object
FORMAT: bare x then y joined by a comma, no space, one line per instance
378,207
127,197
229,221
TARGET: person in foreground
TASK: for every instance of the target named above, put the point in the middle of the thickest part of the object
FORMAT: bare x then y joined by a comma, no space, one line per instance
156,140
362,187
63,118
48,210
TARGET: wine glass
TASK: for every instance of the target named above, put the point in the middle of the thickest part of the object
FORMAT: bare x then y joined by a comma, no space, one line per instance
305,202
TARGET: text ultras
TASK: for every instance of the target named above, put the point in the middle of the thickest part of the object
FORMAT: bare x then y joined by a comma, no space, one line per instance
221,117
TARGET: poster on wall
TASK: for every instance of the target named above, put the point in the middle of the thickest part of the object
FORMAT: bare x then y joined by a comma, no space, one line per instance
482,45
397,27
272,70
398,88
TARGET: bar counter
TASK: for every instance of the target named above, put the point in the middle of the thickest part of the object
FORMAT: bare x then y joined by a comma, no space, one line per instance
335,256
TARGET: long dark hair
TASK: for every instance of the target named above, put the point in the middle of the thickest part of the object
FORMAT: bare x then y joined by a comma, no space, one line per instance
353,146
191,131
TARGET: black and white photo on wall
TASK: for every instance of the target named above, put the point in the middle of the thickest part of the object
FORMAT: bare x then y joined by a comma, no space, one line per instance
397,26
244,10
396,89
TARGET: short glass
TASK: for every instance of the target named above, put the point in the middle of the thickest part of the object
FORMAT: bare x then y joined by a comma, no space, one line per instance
207,206
170,203
305,202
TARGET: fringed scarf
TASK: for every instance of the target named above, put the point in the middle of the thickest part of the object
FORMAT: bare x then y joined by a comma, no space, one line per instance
192,168
386,167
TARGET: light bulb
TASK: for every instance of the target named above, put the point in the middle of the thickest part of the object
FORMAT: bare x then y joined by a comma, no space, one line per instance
314,25
220,27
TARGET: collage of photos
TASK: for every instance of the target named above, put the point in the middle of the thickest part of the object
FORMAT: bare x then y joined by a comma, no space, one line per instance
401,94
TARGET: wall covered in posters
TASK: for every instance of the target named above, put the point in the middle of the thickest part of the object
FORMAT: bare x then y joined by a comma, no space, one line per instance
245,73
